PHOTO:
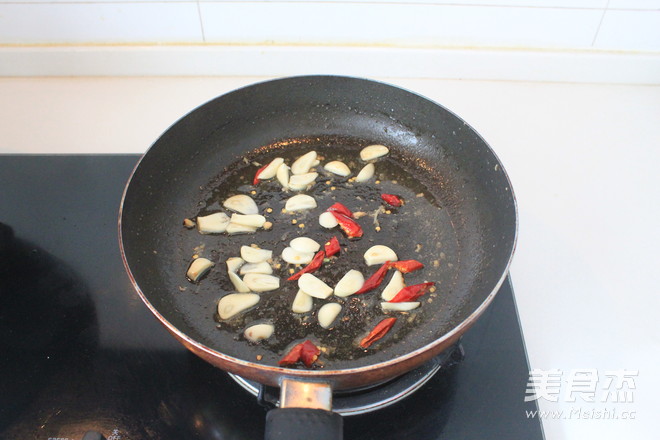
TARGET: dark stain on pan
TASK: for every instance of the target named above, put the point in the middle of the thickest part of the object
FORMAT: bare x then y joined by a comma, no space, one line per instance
422,229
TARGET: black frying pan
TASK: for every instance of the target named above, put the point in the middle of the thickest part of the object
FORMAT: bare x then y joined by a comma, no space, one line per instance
465,218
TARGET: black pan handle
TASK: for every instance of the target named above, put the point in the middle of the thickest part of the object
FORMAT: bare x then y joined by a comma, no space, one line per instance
304,413
303,424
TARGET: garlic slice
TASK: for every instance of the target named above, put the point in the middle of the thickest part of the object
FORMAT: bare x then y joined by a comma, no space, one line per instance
252,220
259,332
302,303
238,283
234,263
338,168
394,286
313,286
213,223
328,313
349,283
327,220
242,204
258,282
255,255
304,163
299,182
399,307
270,170
234,303
379,254
373,152
283,175
366,173
300,202
304,244
198,268
292,256
235,229
262,267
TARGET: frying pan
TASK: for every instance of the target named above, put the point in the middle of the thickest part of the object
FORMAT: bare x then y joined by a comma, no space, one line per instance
473,227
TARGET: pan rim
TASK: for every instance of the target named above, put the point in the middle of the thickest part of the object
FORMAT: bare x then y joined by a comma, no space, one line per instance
322,374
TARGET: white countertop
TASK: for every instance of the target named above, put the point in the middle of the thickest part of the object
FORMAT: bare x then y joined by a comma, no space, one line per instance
583,160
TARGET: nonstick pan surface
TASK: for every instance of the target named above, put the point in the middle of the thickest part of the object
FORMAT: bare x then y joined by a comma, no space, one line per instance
460,212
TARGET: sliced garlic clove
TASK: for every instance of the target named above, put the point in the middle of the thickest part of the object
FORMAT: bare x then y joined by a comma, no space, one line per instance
270,170
379,254
304,244
302,303
235,303
236,229
255,255
394,286
234,263
338,168
292,256
252,220
313,286
327,220
349,283
198,268
283,175
259,332
328,313
373,152
300,202
213,223
299,182
304,163
242,204
262,267
258,282
238,283
366,173
316,163
399,307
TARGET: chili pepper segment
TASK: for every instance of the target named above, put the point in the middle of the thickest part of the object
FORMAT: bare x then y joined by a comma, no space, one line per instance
406,266
411,293
378,332
374,280
313,266
255,181
332,247
305,352
309,353
392,200
350,227
341,209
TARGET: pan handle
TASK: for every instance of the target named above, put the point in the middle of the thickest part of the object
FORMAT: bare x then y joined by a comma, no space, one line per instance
304,412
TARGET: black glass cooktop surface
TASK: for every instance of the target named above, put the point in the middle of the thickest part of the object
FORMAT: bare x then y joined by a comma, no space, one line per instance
79,351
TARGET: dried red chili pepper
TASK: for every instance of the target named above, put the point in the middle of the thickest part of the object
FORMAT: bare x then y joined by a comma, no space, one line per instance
332,247
340,208
406,266
411,293
350,227
255,181
374,280
391,199
378,332
306,352
313,266
309,353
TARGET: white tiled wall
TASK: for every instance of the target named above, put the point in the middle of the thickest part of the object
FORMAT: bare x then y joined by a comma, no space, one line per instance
621,25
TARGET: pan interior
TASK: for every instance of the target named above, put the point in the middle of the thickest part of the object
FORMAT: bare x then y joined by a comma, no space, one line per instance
466,221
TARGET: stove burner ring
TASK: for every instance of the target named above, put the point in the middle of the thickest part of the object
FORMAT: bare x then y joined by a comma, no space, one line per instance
371,398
